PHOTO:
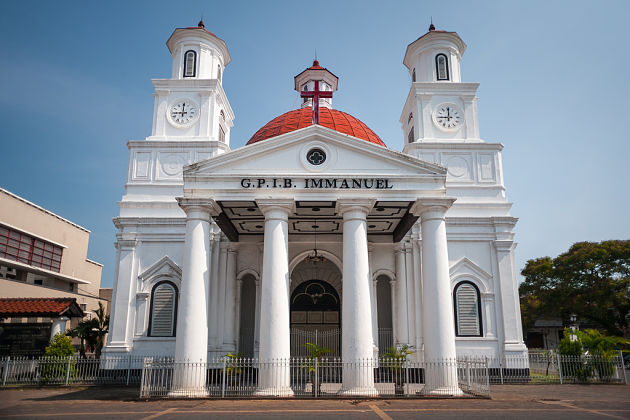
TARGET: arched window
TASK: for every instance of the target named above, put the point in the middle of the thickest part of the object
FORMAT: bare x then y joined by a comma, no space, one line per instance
163,310
441,67
467,310
410,117
413,75
190,61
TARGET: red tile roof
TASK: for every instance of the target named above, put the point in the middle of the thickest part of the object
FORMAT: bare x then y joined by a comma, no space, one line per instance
330,118
20,307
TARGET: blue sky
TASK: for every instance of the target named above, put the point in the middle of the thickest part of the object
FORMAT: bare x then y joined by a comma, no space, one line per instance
75,86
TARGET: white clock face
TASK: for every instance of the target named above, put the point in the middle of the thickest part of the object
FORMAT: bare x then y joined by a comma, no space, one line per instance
448,117
183,113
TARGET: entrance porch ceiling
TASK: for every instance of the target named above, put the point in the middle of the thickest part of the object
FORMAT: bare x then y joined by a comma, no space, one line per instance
390,218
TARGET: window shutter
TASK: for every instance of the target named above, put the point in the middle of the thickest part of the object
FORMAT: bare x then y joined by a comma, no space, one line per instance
467,311
442,67
189,64
163,316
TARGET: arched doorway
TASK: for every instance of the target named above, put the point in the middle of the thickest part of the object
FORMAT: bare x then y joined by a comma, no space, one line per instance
247,316
315,317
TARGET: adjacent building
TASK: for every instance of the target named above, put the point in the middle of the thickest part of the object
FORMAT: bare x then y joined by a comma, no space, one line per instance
44,269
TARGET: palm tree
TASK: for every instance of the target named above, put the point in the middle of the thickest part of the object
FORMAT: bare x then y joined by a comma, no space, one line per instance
101,329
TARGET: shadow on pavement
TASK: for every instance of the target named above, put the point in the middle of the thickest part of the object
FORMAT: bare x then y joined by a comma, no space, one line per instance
89,393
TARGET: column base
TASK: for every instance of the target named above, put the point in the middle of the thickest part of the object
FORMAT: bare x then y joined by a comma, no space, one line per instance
188,393
275,392
359,392
443,391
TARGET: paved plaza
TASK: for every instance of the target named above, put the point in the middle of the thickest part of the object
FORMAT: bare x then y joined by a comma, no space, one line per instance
508,402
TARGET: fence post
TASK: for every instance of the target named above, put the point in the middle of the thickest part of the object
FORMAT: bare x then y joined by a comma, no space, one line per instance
559,367
128,368
501,369
68,370
487,377
223,377
406,376
6,370
623,368
316,382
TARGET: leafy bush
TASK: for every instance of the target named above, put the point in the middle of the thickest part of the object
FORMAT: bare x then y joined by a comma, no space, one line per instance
54,367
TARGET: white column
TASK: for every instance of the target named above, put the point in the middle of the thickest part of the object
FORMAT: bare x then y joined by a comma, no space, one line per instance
213,299
356,341
417,285
437,303
121,325
221,304
412,302
373,300
274,353
508,288
58,326
401,335
191,343
231,304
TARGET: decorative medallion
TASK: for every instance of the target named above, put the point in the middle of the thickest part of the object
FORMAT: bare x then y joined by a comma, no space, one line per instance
316,156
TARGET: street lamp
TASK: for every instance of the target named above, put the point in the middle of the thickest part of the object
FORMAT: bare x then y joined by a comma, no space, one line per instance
574,326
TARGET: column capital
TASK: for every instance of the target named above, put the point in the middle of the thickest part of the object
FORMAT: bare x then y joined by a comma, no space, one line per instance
348,207
199,208
126,244
399,247
276,208
504,245
431,208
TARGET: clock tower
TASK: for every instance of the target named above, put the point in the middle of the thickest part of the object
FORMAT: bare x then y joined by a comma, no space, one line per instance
439,106
192,105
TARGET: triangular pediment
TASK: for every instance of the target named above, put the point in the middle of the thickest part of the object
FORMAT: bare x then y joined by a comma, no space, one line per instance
165,266
465,267
286,155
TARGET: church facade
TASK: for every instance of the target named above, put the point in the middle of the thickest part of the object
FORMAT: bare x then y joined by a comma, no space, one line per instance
315,228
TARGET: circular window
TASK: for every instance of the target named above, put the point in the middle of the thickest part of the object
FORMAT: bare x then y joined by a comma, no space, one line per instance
316,156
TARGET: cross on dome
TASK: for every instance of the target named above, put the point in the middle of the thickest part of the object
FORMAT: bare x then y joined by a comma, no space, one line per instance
316,86
315,95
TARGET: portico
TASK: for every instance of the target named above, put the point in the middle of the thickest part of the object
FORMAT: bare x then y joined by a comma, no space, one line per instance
284,216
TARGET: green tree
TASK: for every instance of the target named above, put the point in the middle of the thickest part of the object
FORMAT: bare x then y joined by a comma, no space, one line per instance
92,332
591,280
102,327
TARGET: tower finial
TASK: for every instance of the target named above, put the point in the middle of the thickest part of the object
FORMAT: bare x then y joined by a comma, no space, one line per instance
200,24
432,26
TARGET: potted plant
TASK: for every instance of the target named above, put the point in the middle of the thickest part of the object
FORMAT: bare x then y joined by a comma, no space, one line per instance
397,365
313,364
232,369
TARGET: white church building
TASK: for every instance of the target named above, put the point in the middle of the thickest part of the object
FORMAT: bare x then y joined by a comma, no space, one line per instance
315,226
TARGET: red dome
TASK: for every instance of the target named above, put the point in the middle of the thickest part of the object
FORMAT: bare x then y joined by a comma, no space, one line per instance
329,118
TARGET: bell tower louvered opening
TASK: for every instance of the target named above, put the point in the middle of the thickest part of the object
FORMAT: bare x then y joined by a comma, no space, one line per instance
163,310
467,310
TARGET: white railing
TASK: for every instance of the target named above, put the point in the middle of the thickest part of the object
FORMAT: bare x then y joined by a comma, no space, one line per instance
239,377
551,367
313,378
125,370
